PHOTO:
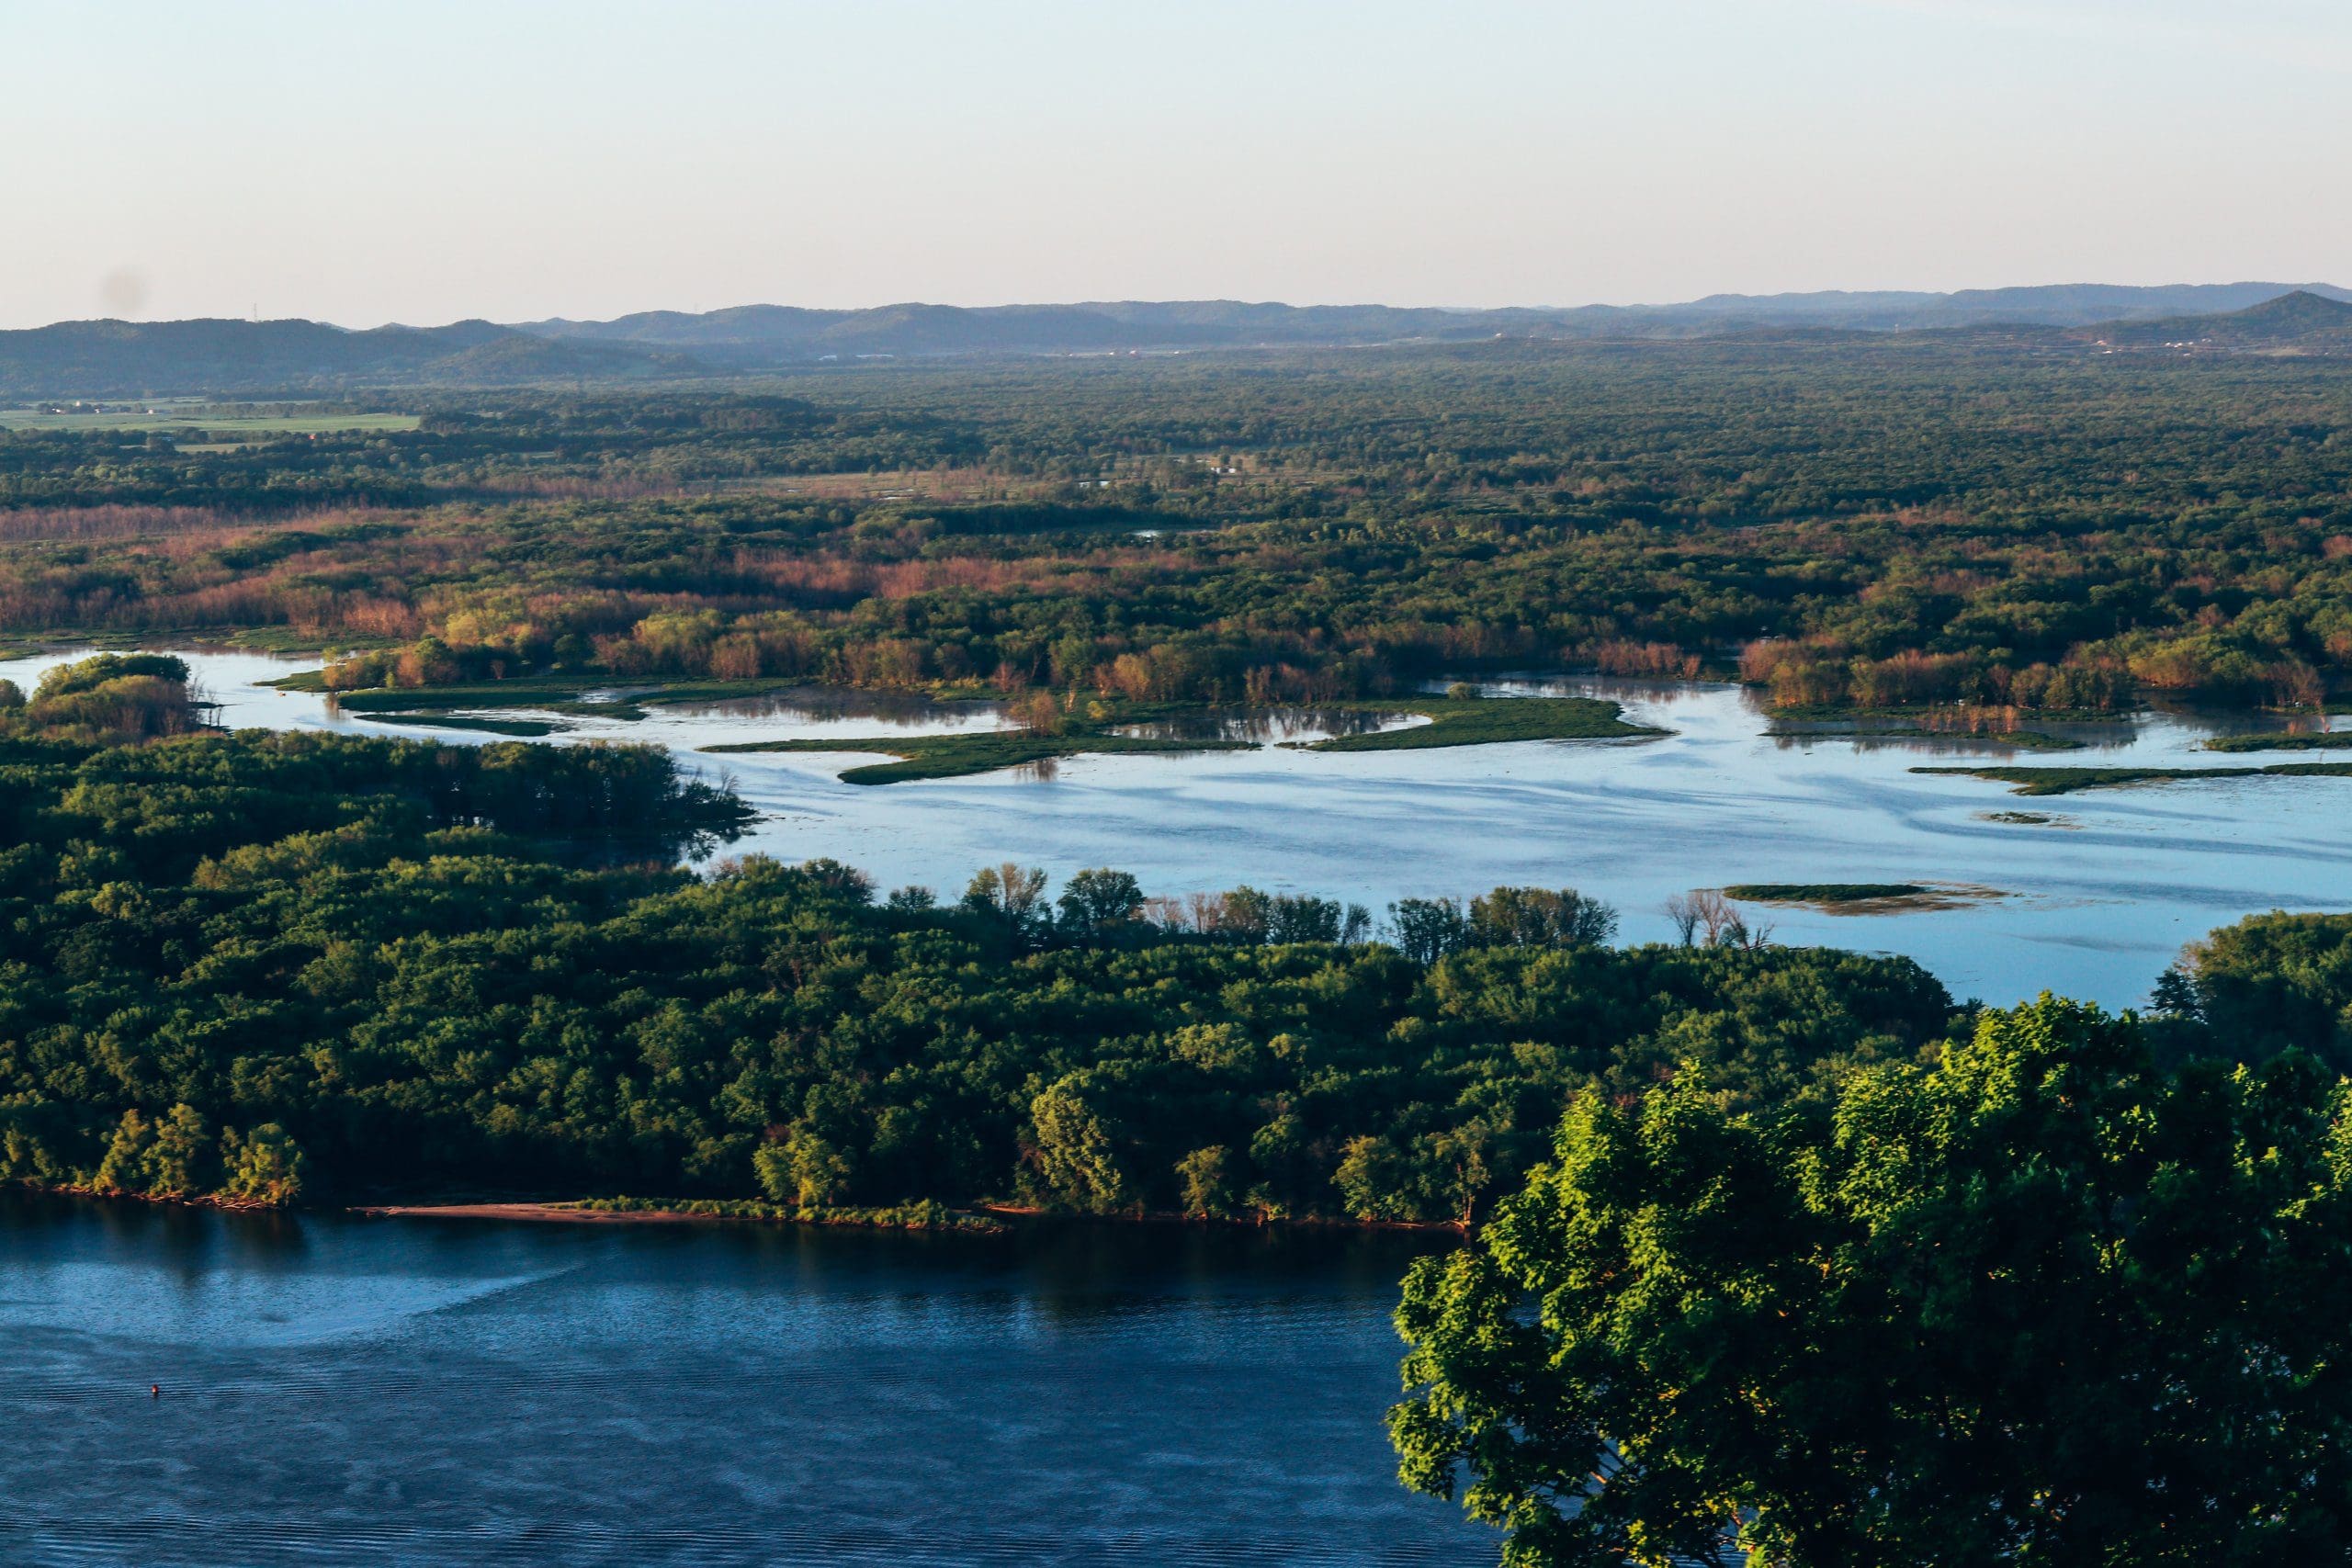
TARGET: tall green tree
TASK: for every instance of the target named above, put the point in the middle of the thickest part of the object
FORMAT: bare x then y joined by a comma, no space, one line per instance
1100,903
2037,1303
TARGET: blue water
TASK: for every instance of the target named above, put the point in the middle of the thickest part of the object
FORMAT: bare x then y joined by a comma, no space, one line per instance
338,1388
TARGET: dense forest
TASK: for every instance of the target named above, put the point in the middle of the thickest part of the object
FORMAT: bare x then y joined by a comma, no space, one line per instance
1845,522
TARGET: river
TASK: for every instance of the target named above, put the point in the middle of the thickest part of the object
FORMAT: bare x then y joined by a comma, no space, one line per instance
337,1389
2093,899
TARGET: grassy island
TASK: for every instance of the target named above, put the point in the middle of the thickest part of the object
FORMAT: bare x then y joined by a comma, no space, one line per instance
1486,721
1455,721
1824,892
523,728
2015,739
959,756
2325,740
2065,781
548,694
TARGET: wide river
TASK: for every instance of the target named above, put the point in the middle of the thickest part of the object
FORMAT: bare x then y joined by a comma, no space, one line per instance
2095,896
340,1390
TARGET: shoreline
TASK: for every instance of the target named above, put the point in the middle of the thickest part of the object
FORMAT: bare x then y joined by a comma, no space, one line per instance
549,1213
976,1219
1002,1217
1255,1223
705,1211
158,1200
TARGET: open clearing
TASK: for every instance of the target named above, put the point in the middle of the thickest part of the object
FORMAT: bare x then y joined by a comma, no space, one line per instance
172,415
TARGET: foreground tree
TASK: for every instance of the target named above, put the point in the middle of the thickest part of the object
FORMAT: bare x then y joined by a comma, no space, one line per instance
2038,1303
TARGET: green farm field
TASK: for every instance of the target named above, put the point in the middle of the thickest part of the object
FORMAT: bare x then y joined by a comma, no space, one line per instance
182,415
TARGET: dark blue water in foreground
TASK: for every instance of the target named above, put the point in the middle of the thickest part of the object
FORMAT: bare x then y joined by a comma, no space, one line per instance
339,1390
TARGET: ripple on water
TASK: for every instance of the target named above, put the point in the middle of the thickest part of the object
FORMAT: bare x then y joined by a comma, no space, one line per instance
706,1395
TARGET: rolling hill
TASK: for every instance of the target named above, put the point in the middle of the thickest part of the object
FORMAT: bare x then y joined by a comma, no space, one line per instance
776,336
2302,322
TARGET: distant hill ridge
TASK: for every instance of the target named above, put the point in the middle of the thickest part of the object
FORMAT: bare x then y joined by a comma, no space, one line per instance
766,333
111,358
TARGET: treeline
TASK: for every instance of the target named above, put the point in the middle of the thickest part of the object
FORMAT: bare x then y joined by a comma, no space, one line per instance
119,696
1870,525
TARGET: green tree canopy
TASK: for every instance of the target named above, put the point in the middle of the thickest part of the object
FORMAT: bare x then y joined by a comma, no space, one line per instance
2035,1303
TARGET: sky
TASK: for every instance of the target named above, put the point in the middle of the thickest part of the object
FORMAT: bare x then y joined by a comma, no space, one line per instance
427,162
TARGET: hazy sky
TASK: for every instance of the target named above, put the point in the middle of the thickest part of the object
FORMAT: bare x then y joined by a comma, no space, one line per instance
423,162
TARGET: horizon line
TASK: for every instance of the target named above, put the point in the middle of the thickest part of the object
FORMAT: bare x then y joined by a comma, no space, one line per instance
1721,295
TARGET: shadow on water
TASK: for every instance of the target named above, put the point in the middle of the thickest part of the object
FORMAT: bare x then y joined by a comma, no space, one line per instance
1072,1267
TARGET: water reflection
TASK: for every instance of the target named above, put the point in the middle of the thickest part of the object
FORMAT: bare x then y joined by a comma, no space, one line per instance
802,713
2172,732
1272,726
1647,692
1945,734
809,706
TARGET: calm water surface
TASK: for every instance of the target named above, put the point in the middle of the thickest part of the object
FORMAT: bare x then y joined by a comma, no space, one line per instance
2094,900
343,1390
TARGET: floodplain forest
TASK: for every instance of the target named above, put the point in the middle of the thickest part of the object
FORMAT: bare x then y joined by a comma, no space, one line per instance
1846,524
